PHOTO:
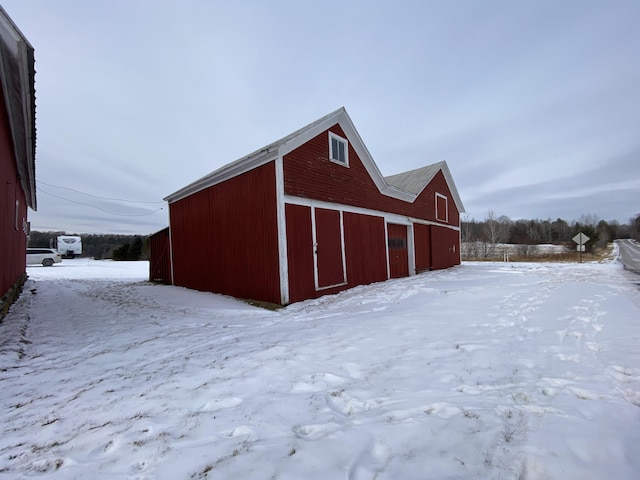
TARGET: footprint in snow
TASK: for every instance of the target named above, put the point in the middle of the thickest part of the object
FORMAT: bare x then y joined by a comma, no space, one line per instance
220,404
557,382
315,431
318,382
371,460
354,370
622,374
238,431
631,396
593,346
344,404
587,394
441,410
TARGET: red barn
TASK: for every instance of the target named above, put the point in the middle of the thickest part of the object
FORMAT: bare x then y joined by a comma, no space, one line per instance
310,215
17,156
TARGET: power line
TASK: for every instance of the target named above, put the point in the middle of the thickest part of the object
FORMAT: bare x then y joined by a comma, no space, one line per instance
100,208
90,195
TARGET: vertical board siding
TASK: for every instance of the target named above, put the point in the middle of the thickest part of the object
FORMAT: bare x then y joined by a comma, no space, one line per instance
300,252
13,244
365,247
422,243
328,248
439,185
309,173
160,258
225,238
365,252
445,245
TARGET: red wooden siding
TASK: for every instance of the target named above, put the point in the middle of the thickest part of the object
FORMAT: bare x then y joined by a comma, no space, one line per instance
422,245
300,253
328,248
398,252
439,185
309,173
445,244
225,238
160,257
365,251
13,241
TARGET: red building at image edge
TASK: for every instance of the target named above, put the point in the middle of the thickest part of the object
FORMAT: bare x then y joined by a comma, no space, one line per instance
17,156
306,216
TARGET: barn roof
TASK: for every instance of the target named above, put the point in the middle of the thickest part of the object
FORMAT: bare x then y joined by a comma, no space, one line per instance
414,181
17,75
405,186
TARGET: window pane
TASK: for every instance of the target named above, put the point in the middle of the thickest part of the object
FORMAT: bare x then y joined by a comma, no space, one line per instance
334,149
341,156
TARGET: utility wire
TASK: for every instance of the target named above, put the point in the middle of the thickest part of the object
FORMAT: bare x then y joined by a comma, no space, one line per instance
90,195
102,209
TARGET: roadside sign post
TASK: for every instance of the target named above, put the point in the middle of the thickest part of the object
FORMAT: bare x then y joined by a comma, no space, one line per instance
581,239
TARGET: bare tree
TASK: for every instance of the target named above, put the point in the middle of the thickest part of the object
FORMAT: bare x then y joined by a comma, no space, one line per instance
465,229
590,220
496,229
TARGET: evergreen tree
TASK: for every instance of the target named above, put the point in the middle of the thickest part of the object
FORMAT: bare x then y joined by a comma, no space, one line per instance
122,252
135,250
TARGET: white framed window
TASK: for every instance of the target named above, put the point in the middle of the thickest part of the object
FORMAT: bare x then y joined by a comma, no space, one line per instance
442,208
338,149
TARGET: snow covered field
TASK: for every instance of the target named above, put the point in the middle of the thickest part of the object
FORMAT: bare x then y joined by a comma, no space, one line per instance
509,371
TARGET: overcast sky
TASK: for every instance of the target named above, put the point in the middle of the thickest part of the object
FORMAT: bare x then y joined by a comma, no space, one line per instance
535,105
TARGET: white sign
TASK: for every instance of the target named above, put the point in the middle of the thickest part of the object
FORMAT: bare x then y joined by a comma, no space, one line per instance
580,239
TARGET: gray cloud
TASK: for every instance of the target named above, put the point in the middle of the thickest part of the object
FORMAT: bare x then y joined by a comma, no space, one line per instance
534,105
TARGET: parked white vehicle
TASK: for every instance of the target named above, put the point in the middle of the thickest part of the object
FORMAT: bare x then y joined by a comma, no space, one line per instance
45,256
69,246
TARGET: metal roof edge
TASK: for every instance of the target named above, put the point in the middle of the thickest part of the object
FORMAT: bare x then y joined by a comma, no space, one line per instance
21,107
251,161
452,186
299,137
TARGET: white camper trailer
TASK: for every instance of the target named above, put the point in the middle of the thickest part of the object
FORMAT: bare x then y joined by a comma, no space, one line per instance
69,246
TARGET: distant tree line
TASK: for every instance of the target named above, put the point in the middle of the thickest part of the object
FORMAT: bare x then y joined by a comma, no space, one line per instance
481,238
99,246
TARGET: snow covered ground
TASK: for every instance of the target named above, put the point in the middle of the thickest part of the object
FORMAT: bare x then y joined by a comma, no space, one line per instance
487,370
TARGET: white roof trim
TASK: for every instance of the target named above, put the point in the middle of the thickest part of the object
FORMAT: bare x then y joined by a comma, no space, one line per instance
231,170
285,145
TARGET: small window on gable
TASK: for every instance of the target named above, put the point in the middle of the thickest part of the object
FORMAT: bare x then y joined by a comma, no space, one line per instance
338,149
442,208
